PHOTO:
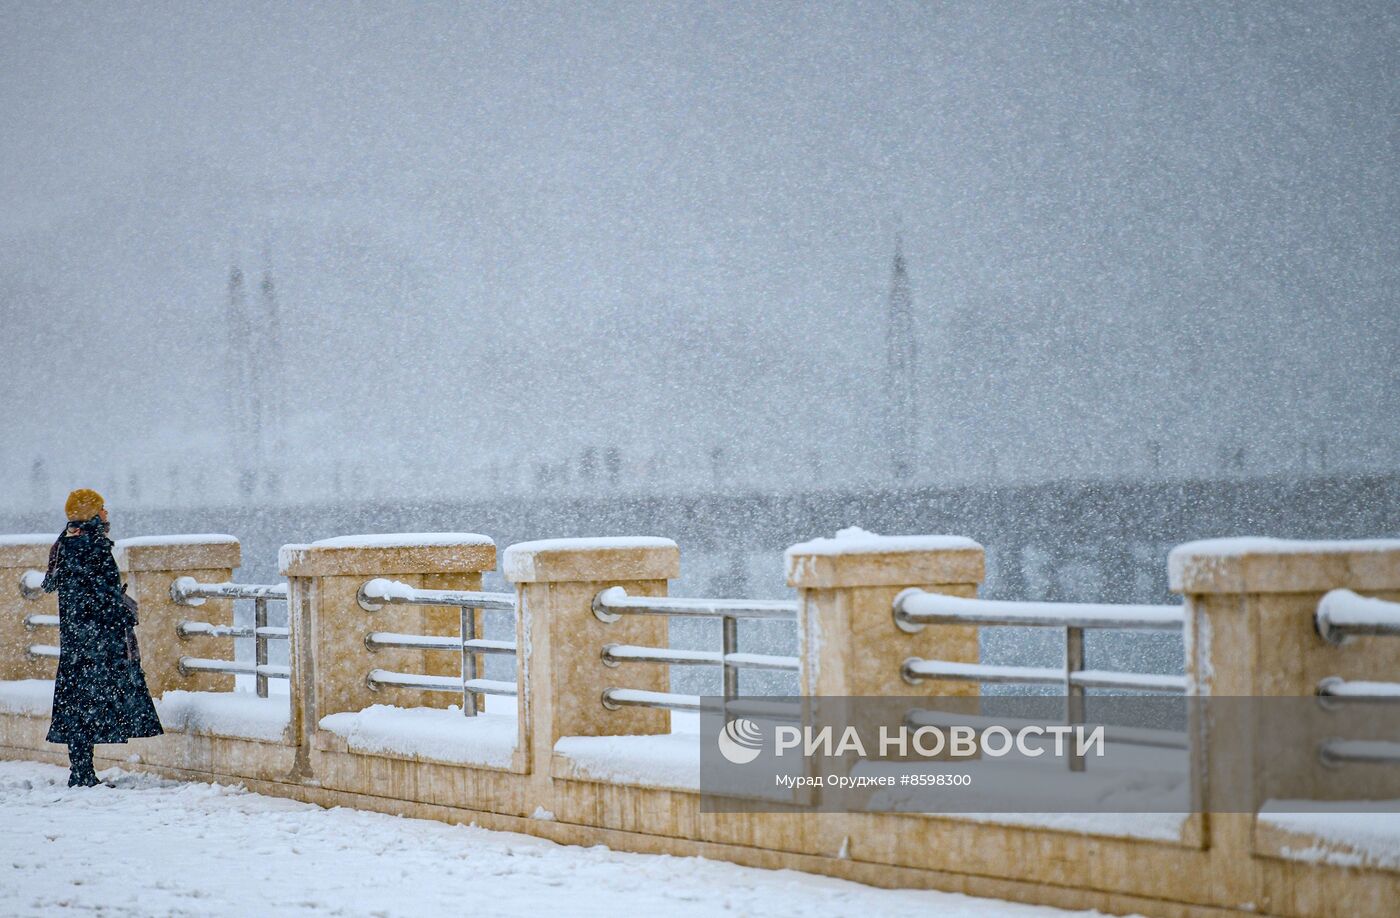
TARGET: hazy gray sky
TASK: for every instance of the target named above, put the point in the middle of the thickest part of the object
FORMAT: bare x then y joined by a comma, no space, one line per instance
517,230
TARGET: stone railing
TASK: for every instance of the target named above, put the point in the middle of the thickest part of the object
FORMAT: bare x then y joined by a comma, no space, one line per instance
582,750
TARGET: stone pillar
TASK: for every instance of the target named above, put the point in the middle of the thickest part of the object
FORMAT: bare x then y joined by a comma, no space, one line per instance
150,564
561,672
20,553
1250,634
1251,609
329,627
848,641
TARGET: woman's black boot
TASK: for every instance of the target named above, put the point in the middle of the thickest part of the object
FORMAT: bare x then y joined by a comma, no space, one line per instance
80,770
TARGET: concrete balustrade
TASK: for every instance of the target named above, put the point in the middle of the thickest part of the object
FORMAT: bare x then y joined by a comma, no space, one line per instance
848,638
562,673
1249,632
18,554
150,565
329,627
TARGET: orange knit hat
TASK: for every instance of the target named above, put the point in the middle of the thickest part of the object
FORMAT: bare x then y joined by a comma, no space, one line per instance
83,504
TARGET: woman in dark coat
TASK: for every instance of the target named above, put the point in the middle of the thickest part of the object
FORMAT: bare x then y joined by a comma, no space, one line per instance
100,694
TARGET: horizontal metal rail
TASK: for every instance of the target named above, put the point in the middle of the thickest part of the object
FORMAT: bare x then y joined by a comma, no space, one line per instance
31,622
1337,688
914,608
381,640
916,670
208,629
379,592
37,651
31,584
614,698
610,604
384,678
1342,614
1359,752
616,654
1130,736
202,665
186,591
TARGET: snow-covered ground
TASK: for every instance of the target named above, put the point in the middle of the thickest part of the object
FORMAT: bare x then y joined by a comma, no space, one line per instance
155,847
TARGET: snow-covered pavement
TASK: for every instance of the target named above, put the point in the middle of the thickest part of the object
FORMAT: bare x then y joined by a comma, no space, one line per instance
155,847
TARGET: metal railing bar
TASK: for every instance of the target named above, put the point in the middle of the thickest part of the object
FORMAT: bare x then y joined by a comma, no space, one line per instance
384,678
915,608
1343,614
31,584
915,670
379,592
614,654
203,665
614,698
378,640
187,591
1359,690
40,621
207,629
613,602
1359,752
36,651
1110,679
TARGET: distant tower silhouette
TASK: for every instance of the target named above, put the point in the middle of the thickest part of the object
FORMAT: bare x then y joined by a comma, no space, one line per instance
271,389
241,423
901,351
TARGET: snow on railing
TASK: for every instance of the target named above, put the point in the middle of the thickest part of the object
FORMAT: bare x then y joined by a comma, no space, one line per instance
914,609
31,587
186,591
613,603
1360,752
375,594
31,584
1342,614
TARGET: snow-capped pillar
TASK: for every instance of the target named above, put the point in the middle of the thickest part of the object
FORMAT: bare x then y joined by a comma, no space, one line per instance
150,564
562,674
19,554
1251,607
1251,613
849,644
331,661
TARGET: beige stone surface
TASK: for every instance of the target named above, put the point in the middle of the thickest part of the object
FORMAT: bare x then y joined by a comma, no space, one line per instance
1284,566
214,551
562,669
561,673
330,659
20,553
339,627
24,552
389,554
151,564
592,560
1250,633
902,562
848,641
